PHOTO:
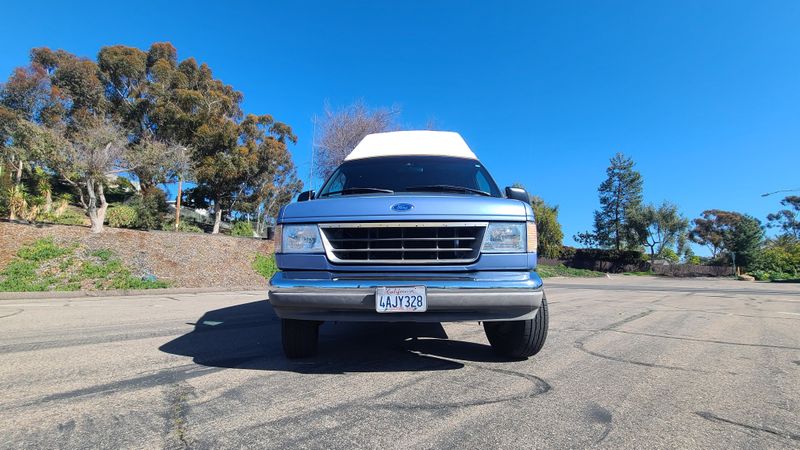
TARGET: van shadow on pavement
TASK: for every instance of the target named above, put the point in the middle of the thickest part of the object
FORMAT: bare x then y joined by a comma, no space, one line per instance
248,336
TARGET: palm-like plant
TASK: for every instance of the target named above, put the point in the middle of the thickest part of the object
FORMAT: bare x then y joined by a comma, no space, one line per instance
44,188
17,204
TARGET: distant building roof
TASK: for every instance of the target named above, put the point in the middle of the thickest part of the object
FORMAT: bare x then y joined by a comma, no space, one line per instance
398,143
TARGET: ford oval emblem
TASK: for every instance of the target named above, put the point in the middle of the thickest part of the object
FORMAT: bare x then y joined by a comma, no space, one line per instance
402,207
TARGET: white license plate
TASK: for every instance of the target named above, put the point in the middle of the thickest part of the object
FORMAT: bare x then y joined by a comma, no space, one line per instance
400,299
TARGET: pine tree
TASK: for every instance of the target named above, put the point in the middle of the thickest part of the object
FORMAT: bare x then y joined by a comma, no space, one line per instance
620,198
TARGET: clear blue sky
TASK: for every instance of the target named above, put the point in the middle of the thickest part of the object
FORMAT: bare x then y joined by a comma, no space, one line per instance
704,95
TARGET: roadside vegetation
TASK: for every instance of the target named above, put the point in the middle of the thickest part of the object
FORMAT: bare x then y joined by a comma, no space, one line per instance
560,270
92,141
265,265
625,224
47,266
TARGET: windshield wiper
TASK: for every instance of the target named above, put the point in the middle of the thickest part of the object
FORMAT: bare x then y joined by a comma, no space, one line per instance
448,188
359,190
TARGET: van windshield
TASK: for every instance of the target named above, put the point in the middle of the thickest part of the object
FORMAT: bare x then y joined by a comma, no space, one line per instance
391,174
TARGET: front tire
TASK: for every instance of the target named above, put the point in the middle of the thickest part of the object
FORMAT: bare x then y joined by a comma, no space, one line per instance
519,338
299,337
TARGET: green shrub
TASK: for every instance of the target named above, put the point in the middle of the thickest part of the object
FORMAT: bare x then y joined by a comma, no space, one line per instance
560,270
670,255
766,275
609,260
68,217
265,265
778,259
22,273
127,281
760,275
122,216
45,266
21,269
20,276
780,276
42,250
150,208
104,254
184,226
244,229
567,253
101,270
694,260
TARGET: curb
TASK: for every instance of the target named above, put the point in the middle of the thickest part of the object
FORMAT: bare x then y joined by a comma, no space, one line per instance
122,292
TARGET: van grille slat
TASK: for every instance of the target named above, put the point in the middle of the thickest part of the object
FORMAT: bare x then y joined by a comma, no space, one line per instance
407,239
403,243
465,249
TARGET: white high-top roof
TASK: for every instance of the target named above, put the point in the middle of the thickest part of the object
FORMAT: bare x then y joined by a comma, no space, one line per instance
398,143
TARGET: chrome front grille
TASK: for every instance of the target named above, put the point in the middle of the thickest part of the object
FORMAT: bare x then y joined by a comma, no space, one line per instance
403,242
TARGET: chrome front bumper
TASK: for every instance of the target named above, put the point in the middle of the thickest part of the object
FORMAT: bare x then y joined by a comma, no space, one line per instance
479,296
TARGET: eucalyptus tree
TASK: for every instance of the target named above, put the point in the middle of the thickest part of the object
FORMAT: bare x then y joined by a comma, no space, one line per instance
787,219
728,232
234,160
148,114
77,137
22,99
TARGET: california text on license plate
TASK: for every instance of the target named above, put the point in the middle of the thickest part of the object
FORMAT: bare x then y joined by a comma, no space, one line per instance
400,299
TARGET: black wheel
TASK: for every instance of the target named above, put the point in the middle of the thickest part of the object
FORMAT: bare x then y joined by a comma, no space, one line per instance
519,338
299,337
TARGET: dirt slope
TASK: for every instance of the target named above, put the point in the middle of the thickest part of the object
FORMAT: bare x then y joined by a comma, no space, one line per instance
183,259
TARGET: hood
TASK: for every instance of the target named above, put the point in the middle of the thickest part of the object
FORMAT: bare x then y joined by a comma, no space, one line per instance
424,207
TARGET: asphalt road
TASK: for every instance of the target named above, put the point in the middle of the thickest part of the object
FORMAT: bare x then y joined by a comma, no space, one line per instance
629,362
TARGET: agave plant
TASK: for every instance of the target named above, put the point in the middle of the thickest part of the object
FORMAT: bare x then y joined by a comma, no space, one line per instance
61,204
44,188
16,202
31,213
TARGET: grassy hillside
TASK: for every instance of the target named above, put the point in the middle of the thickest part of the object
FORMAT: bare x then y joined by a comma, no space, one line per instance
59,257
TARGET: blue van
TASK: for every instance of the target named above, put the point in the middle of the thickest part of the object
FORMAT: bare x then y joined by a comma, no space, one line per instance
410,227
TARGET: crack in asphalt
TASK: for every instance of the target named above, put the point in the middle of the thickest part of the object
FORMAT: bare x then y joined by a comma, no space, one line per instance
102,339
723,313
369,403
108,338
164,377
714,418
177,399
681,338
710,341
12,314
581,345
627,320
541,386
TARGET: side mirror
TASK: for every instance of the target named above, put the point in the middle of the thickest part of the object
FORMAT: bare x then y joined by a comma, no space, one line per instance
304,196
518,194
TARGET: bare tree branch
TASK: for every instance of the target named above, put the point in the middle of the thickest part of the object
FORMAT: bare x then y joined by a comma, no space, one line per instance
341,130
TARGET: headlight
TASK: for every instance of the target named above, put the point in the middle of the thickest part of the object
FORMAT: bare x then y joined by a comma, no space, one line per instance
298,239
505,237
